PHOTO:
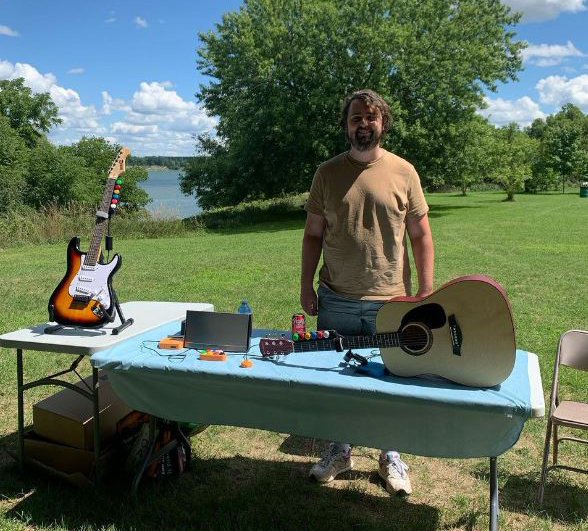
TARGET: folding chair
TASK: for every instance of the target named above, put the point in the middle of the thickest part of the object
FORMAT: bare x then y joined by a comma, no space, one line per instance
572,351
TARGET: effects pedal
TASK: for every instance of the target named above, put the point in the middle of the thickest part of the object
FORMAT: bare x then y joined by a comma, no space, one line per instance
175,343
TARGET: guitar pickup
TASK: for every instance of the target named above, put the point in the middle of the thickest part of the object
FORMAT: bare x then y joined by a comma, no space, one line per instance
88,268
82,278
82,290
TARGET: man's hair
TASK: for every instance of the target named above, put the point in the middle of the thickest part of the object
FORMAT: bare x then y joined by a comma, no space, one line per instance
371,98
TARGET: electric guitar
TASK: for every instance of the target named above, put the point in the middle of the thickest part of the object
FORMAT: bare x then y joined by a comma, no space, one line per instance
85,296
463,332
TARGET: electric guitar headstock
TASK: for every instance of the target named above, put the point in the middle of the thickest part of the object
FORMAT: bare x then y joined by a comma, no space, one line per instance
117,168
119,164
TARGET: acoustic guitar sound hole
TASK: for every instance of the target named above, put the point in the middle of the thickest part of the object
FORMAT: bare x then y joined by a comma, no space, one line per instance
415,339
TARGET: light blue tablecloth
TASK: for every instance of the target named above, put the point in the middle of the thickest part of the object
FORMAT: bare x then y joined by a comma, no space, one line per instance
316,395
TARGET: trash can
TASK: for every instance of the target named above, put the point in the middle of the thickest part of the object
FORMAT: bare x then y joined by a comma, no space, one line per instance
584,189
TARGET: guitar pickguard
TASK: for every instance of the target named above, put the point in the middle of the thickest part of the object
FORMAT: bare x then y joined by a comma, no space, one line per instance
92,282
431,315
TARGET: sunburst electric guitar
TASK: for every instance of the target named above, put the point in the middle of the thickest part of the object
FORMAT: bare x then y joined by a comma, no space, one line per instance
463,332
85,296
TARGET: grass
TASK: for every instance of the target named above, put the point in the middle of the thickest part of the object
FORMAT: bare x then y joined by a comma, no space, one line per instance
535,247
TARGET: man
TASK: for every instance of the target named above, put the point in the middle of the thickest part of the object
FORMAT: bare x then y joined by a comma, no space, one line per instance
361,204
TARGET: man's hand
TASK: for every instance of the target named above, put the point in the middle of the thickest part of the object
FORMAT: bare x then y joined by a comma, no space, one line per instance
309,301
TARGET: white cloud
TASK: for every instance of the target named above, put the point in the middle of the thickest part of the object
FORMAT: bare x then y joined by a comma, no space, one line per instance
156,120
9,32
558,90
76,118
550,54
159,121
110,104
502,112
76,71
542,10
140,22
110,20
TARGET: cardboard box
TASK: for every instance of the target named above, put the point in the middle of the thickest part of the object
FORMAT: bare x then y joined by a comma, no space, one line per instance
71,464
68,418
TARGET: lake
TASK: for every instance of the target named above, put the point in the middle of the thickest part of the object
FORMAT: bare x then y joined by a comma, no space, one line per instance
168,201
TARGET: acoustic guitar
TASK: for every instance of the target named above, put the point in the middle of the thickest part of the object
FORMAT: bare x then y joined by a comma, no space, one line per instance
85,296
463,332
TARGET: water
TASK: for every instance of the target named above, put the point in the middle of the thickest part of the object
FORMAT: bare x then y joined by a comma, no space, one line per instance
168,201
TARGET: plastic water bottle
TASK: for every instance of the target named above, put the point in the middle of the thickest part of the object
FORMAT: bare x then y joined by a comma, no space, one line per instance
244,307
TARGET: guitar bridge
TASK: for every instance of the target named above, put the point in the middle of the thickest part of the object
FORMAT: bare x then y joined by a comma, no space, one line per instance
455,334
81,299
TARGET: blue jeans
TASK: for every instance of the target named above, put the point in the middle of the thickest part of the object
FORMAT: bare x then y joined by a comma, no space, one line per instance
351,317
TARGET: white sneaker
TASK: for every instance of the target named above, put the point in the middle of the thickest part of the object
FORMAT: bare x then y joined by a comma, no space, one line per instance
333,462
394,472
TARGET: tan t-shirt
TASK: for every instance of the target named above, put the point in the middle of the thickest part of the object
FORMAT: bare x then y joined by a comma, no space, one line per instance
365,206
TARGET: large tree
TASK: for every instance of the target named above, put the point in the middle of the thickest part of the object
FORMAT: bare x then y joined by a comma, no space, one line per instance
31,115
564,148
280,69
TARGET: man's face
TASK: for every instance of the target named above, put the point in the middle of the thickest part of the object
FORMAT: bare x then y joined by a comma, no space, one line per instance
364,126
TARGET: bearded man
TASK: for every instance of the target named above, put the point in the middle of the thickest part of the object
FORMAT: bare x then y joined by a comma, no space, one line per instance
361,204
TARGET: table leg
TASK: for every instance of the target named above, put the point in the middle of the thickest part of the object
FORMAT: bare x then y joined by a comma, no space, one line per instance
95,393
20,385
493,495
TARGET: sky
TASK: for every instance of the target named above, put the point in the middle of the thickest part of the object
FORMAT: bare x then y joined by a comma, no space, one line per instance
126,70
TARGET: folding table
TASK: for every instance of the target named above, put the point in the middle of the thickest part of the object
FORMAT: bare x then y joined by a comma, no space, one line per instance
316,395
85,342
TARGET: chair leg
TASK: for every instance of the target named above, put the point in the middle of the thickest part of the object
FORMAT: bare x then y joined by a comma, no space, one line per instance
555,444
544,465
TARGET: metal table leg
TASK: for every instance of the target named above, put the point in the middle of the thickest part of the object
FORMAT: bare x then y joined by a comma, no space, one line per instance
95,397
493,495
20,389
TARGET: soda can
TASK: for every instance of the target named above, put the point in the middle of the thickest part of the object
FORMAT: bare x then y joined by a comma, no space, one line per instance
299,324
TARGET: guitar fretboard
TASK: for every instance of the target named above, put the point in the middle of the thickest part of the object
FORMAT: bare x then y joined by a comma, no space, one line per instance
96,242
390,339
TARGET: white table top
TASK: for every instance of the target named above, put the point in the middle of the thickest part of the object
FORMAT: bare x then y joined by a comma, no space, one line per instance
146,314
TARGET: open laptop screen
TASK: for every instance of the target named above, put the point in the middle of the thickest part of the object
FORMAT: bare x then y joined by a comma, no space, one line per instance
216,330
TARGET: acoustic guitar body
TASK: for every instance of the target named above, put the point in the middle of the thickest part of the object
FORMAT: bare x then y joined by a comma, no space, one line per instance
84,297
473,337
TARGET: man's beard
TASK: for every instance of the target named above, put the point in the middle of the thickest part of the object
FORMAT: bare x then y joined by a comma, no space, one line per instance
364,142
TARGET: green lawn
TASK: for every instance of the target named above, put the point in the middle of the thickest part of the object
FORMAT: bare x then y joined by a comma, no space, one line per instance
536,247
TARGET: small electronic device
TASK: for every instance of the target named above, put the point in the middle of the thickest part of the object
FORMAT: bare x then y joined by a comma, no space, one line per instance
171,342
212,355
229,332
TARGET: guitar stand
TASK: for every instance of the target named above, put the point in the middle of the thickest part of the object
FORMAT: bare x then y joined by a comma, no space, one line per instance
125,323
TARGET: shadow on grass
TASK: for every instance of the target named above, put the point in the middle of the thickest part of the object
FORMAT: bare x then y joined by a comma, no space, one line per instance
438,211
227,493
518,493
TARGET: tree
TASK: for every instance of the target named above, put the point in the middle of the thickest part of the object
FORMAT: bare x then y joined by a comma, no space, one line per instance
565,144
469,162
511,155
280,69
13,166
97,155
31,115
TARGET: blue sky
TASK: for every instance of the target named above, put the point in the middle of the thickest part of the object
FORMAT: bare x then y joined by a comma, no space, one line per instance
127,70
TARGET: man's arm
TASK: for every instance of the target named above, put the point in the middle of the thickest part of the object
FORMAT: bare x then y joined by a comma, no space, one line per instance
312,246
421,240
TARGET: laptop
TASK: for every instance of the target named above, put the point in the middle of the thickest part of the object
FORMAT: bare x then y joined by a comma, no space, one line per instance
230,332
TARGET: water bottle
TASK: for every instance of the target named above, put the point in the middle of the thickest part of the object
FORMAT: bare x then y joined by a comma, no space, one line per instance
244,307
